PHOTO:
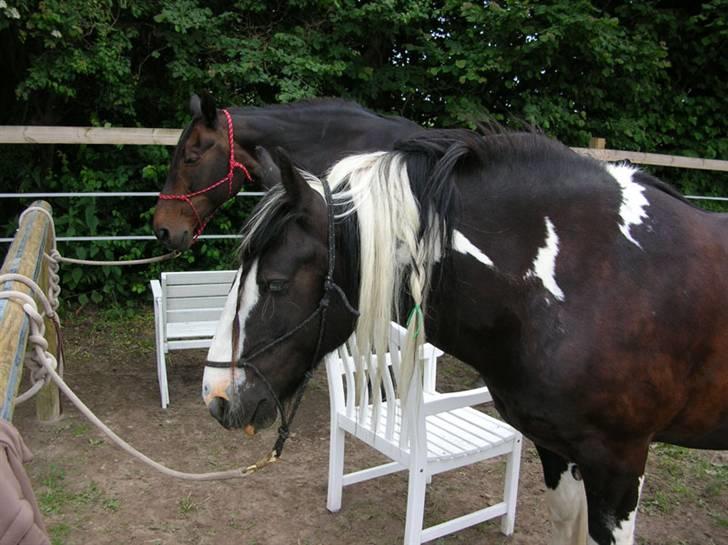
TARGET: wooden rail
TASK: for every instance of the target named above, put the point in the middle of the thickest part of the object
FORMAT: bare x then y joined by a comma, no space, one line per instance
26,257
168,137
10,134
655,159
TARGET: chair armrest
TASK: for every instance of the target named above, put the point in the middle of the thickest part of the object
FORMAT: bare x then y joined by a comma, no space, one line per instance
156,289
439,403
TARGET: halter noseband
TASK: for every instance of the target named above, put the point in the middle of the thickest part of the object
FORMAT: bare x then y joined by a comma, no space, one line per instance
322,309
232,165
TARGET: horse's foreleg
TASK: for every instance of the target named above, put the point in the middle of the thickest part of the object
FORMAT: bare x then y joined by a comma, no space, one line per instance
613,495
565,498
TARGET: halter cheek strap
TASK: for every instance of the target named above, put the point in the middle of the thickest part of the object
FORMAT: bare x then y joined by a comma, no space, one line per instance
330,288
228,178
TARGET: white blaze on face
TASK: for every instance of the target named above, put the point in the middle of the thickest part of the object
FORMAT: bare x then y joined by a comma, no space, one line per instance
632,208
462,245
216,381
544,266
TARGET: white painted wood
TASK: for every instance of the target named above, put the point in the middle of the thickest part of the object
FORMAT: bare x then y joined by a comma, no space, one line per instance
187,307
454,435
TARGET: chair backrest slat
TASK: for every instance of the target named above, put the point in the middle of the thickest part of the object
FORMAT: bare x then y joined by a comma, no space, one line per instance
376,409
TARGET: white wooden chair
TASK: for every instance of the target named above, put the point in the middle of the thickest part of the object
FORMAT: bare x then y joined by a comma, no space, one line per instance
455,435
187,307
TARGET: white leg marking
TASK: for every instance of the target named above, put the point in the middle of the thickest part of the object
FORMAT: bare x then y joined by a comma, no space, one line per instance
216,382
632,209
544,266
567,510
623,533
461,244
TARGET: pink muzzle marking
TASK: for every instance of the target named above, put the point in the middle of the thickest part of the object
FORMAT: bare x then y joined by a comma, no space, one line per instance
232,165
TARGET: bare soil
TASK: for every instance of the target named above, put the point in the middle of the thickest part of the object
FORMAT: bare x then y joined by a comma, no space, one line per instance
92,492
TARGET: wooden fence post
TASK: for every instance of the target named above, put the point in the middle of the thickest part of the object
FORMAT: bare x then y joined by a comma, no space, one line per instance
597,143
33,239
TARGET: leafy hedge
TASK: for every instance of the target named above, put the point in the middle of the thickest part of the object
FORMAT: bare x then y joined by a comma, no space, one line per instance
647,76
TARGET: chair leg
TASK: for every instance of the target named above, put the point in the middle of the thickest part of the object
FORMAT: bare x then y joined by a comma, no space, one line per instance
415,505
336,468
162,377
510,492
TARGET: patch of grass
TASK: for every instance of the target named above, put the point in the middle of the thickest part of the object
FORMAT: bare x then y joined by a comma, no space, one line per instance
658,501
90,495
54,495
58,533
681,476
187,505
80,429
110,504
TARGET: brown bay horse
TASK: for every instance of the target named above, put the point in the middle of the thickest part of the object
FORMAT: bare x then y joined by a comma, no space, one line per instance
215,154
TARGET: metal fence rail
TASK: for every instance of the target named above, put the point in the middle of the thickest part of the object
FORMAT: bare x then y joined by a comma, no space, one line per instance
169,137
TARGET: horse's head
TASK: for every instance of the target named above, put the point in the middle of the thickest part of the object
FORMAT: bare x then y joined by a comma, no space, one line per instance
284,312
208,168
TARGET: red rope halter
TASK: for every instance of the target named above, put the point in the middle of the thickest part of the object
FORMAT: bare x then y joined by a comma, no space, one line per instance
232,165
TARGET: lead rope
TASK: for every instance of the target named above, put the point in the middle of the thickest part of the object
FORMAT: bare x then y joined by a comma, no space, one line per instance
55,257
43,367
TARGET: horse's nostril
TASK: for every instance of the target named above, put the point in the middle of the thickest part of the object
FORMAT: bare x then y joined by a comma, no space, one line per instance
162,234
217,408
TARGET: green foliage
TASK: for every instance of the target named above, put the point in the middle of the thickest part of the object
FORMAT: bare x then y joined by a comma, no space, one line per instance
622,70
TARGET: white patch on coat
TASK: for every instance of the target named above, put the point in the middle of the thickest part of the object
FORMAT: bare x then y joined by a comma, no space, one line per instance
544,266
623,533
215,380
461,244
568,510
634,202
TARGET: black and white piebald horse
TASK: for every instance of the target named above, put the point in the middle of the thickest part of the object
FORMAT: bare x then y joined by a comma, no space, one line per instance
592,299
215,154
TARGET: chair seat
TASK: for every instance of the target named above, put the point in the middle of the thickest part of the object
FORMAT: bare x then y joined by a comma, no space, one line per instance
462,432
434,433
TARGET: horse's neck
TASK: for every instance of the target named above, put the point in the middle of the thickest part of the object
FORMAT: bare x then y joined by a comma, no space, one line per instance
317,138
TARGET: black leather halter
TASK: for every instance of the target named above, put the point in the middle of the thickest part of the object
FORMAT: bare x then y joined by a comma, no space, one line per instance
329,287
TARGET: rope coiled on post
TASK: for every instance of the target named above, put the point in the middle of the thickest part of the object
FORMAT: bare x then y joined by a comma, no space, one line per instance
44,367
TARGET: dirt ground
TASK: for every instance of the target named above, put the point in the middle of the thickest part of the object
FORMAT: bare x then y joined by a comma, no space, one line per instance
92,492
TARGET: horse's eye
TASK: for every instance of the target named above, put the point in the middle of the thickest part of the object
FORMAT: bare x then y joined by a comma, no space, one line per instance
276,286
192,158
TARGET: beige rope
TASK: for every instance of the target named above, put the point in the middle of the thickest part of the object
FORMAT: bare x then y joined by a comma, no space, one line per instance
170,255
43,364
56,257
43,359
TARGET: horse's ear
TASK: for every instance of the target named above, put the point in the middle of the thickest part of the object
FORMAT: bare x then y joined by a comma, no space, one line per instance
267,170
281,171
209,110
205,108
195,108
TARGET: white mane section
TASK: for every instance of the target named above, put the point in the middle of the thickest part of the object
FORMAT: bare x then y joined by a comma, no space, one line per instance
393,256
